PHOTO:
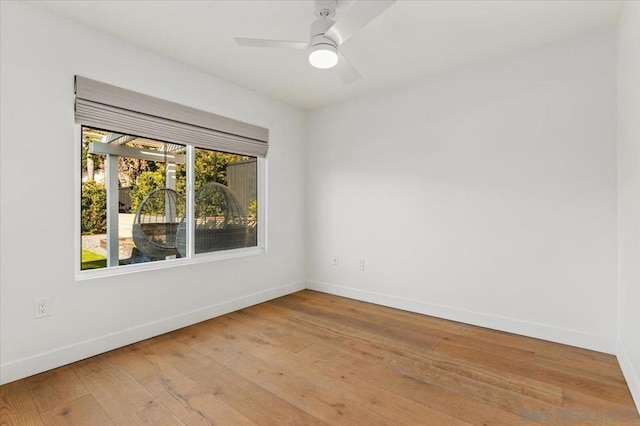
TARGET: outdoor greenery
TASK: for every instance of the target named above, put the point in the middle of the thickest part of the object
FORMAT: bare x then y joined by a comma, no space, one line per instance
94,208
253,209
130,169
91,260
143,176
210,166
144,184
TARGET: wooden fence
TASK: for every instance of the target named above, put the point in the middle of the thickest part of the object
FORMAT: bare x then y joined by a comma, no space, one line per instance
242,180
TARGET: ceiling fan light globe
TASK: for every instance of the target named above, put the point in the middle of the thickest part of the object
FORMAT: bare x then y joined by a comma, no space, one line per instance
323,56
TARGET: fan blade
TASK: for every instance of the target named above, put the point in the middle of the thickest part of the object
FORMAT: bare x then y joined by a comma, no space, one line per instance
258,42
360,14
347,72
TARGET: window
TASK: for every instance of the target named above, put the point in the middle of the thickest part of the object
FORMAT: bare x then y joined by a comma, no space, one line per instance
168,189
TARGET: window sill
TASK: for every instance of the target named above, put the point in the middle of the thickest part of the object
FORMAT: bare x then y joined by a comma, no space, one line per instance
151,266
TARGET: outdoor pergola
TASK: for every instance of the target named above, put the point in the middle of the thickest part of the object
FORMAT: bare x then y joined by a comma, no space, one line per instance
116,145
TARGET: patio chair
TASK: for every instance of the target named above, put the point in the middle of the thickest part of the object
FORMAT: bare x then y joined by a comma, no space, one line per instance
156,223
220,221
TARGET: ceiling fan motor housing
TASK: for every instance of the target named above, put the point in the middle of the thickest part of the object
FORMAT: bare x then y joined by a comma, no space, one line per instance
318,28
323,51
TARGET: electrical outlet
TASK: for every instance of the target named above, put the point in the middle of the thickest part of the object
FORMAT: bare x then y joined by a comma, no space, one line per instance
41,308
334,260
361,264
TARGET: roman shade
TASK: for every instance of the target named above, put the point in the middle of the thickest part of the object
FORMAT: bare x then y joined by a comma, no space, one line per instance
109,107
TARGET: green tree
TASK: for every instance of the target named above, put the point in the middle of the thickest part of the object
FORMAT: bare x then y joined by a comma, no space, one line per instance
253,209
94,208
129,169
211,166
144,184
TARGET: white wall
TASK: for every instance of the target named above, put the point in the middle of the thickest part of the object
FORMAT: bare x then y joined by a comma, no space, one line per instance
486,194
40,55
629,195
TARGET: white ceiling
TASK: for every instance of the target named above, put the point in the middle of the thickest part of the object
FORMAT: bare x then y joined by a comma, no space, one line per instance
411,40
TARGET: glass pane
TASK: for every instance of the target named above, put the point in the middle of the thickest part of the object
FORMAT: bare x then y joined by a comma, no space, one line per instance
150,198
225,201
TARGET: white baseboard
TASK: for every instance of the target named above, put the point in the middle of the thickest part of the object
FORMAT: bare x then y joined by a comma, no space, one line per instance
630,374
531,329
58,357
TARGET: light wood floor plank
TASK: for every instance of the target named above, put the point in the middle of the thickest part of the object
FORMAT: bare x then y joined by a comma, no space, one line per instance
377,313
82,411
563,378
377,398
253,401
369,330
457,405
320,402
17,406
185,398
125,400
55,387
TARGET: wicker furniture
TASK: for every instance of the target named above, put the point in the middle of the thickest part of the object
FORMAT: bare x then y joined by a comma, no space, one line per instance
156,223
220,222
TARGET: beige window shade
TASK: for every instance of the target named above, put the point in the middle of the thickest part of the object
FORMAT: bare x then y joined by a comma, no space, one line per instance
109,107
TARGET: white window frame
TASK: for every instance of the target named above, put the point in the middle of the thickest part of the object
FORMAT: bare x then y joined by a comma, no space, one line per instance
191,258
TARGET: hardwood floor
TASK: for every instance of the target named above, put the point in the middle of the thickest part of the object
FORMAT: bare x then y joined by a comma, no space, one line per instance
311,358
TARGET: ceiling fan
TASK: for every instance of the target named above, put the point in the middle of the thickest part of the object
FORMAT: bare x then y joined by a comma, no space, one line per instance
327,35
